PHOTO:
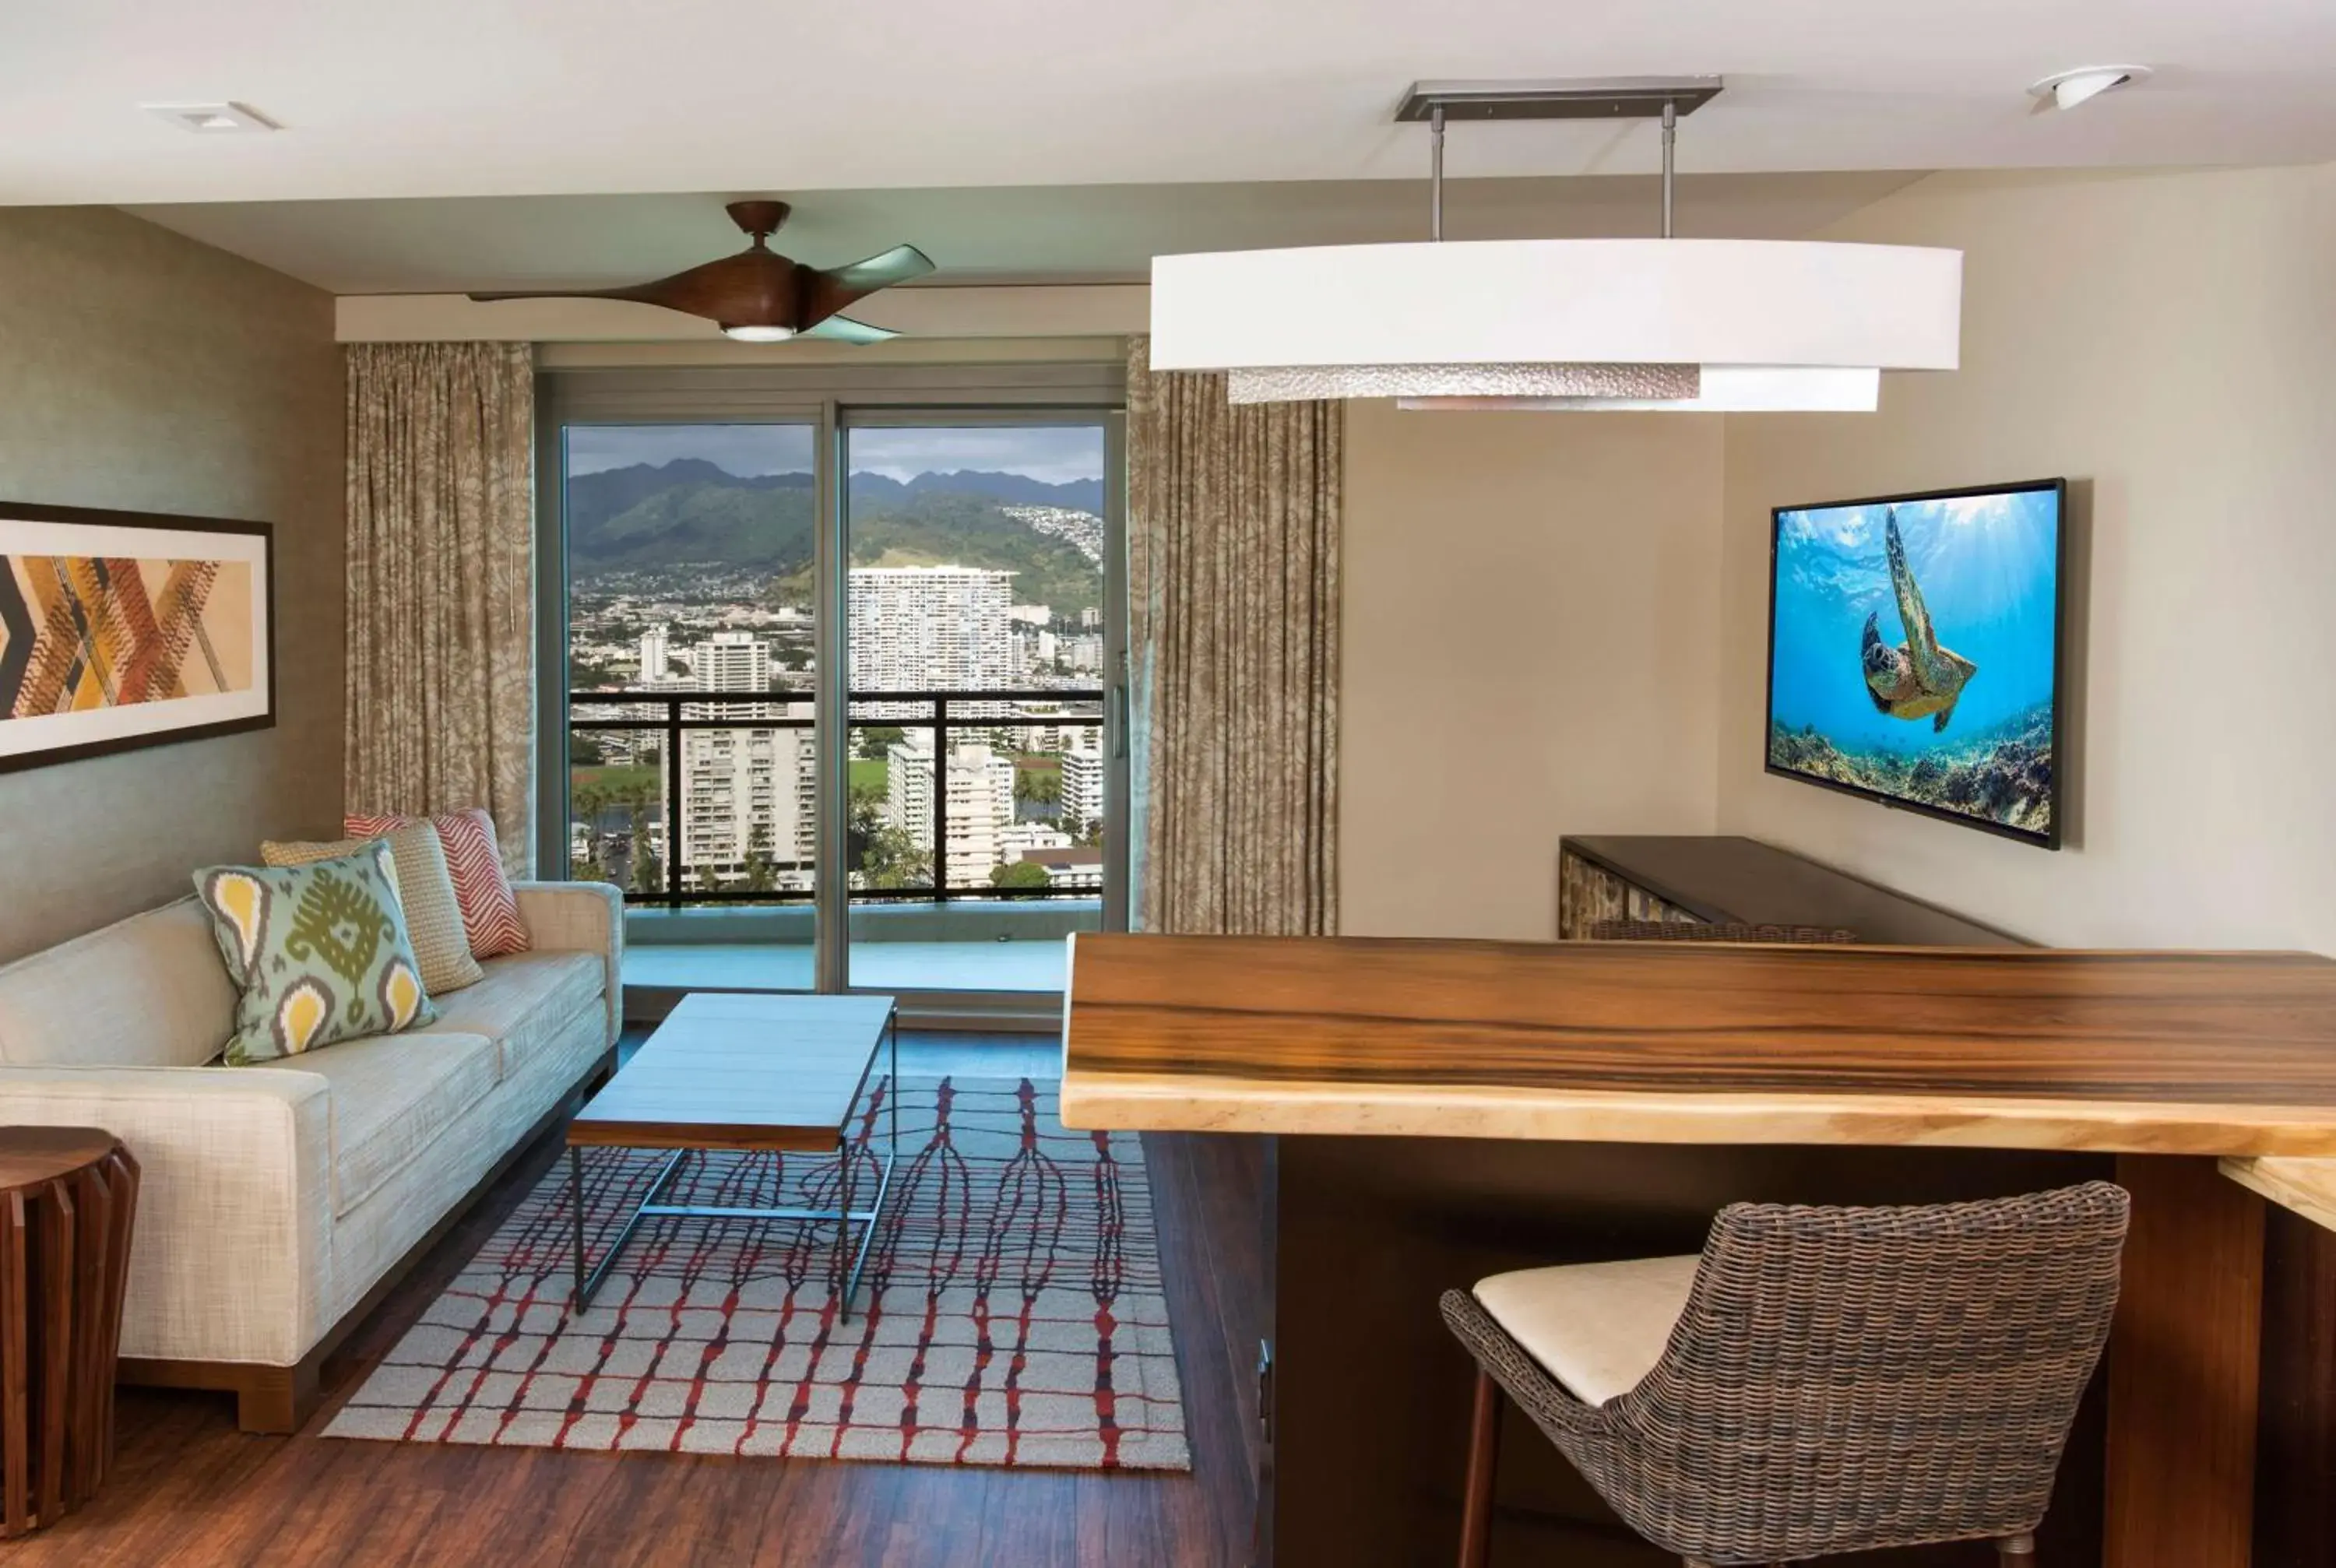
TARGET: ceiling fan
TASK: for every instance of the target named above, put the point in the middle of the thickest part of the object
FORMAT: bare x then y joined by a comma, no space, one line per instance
761,296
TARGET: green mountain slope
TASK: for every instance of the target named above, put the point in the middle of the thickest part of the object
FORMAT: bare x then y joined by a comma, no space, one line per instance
767,523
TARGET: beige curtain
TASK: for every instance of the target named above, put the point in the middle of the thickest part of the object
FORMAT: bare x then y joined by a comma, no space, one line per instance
440,582
1233,518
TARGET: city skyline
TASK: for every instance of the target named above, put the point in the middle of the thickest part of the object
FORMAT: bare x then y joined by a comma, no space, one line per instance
1021,783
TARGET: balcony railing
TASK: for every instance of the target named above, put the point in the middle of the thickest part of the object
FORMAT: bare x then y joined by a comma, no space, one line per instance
882,856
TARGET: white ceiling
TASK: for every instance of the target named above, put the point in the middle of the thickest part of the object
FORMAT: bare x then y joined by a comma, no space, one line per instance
497,97
1068,233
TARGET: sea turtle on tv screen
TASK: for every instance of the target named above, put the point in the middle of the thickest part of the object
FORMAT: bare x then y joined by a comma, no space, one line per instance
1918,677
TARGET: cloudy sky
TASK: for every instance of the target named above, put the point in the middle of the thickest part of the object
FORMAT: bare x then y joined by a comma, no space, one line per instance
1054,454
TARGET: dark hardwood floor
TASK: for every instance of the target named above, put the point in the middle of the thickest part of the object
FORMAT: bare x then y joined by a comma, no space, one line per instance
191,1489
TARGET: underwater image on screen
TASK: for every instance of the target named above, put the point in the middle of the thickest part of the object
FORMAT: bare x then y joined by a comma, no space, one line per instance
1913,652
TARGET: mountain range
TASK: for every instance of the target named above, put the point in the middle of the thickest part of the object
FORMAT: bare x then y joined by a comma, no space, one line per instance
690,509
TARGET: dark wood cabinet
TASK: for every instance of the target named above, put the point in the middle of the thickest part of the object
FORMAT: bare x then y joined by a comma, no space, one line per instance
1727,881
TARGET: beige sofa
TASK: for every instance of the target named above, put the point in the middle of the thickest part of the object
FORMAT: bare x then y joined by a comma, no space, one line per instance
278,1203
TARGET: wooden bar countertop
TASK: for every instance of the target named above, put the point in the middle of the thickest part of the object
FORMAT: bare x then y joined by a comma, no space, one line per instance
2231,1053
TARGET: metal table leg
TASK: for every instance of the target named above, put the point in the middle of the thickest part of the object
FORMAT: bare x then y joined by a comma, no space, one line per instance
588,1285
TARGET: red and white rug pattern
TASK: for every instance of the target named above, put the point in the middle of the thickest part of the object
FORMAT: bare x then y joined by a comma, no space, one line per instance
1011,1313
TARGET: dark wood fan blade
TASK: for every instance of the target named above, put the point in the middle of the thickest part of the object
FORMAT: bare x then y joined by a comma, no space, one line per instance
753,288
837,287
555,294
843,329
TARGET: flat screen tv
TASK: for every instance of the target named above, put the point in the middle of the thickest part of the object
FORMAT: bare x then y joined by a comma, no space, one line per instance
1914,653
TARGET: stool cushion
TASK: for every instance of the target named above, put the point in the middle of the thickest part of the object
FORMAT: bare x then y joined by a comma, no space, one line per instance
1596,1327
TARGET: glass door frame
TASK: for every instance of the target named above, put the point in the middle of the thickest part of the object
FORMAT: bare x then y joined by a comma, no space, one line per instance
833,399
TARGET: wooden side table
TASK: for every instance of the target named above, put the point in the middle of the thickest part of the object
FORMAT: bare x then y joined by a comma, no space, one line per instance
67,1199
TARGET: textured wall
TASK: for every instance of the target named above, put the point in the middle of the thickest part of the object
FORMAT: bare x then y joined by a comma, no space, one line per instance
2168,342
140,370
1530,625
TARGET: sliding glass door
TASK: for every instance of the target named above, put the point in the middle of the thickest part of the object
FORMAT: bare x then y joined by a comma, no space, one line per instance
840,691
976,618
692,660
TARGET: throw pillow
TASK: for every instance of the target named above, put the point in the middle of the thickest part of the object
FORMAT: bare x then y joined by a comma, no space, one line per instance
319,952
424,888
490,907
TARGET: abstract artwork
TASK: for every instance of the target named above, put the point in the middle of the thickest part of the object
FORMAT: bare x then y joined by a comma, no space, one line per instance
123,629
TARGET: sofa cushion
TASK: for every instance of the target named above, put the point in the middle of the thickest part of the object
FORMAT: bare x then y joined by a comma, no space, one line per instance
491,916
320,953
145,992
525,1000
392,1097
424,887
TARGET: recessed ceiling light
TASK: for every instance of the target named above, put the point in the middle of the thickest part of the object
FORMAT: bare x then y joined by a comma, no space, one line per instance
212,119
2068,89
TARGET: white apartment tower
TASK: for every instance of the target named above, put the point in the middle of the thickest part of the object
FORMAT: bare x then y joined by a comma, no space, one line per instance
747,790
657,654
979,784
734,661
1083,783
931,627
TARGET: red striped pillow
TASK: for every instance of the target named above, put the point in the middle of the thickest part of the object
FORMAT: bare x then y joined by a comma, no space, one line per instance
489,909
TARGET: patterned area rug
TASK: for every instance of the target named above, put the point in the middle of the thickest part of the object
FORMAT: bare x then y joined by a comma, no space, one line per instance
1011,1313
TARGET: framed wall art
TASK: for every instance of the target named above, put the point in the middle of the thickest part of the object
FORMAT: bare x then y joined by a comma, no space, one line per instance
121,630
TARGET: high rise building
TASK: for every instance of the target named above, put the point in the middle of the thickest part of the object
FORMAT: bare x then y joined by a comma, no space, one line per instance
930,627
1083,783
657,654
748,793
980,787
732,661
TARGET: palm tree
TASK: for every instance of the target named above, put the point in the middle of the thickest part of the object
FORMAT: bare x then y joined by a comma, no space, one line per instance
634,795
588,801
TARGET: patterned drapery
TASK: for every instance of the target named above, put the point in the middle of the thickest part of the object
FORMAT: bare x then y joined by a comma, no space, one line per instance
441,583
1233,519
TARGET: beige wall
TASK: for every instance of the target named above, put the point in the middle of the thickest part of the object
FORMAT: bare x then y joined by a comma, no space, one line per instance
2168,342
1531,627
140,370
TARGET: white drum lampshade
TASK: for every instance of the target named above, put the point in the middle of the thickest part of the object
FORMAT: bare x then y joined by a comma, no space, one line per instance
1662,324
1699,324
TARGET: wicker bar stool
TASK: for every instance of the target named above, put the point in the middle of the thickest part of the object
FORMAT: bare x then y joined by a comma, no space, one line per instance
1820,1380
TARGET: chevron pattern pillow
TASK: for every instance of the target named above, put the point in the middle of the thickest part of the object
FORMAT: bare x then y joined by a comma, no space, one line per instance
491,917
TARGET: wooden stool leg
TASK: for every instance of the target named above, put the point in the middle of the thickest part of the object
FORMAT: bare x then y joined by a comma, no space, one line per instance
1484,1462
2016,1551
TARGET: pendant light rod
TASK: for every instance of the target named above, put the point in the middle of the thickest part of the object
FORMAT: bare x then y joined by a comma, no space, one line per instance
1670,141
1617,98
1435,173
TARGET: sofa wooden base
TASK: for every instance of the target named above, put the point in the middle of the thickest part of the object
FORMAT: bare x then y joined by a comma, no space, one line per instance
280,1399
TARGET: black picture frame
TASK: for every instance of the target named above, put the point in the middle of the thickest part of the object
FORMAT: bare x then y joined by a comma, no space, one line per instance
2051,839
263,600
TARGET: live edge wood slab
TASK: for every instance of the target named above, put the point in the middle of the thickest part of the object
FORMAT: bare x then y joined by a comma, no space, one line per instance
2224,1054
1384,1063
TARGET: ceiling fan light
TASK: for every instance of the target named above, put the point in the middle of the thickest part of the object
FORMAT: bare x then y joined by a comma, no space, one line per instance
750,334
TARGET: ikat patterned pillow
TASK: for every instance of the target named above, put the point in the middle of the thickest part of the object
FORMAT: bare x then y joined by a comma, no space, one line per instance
319,952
